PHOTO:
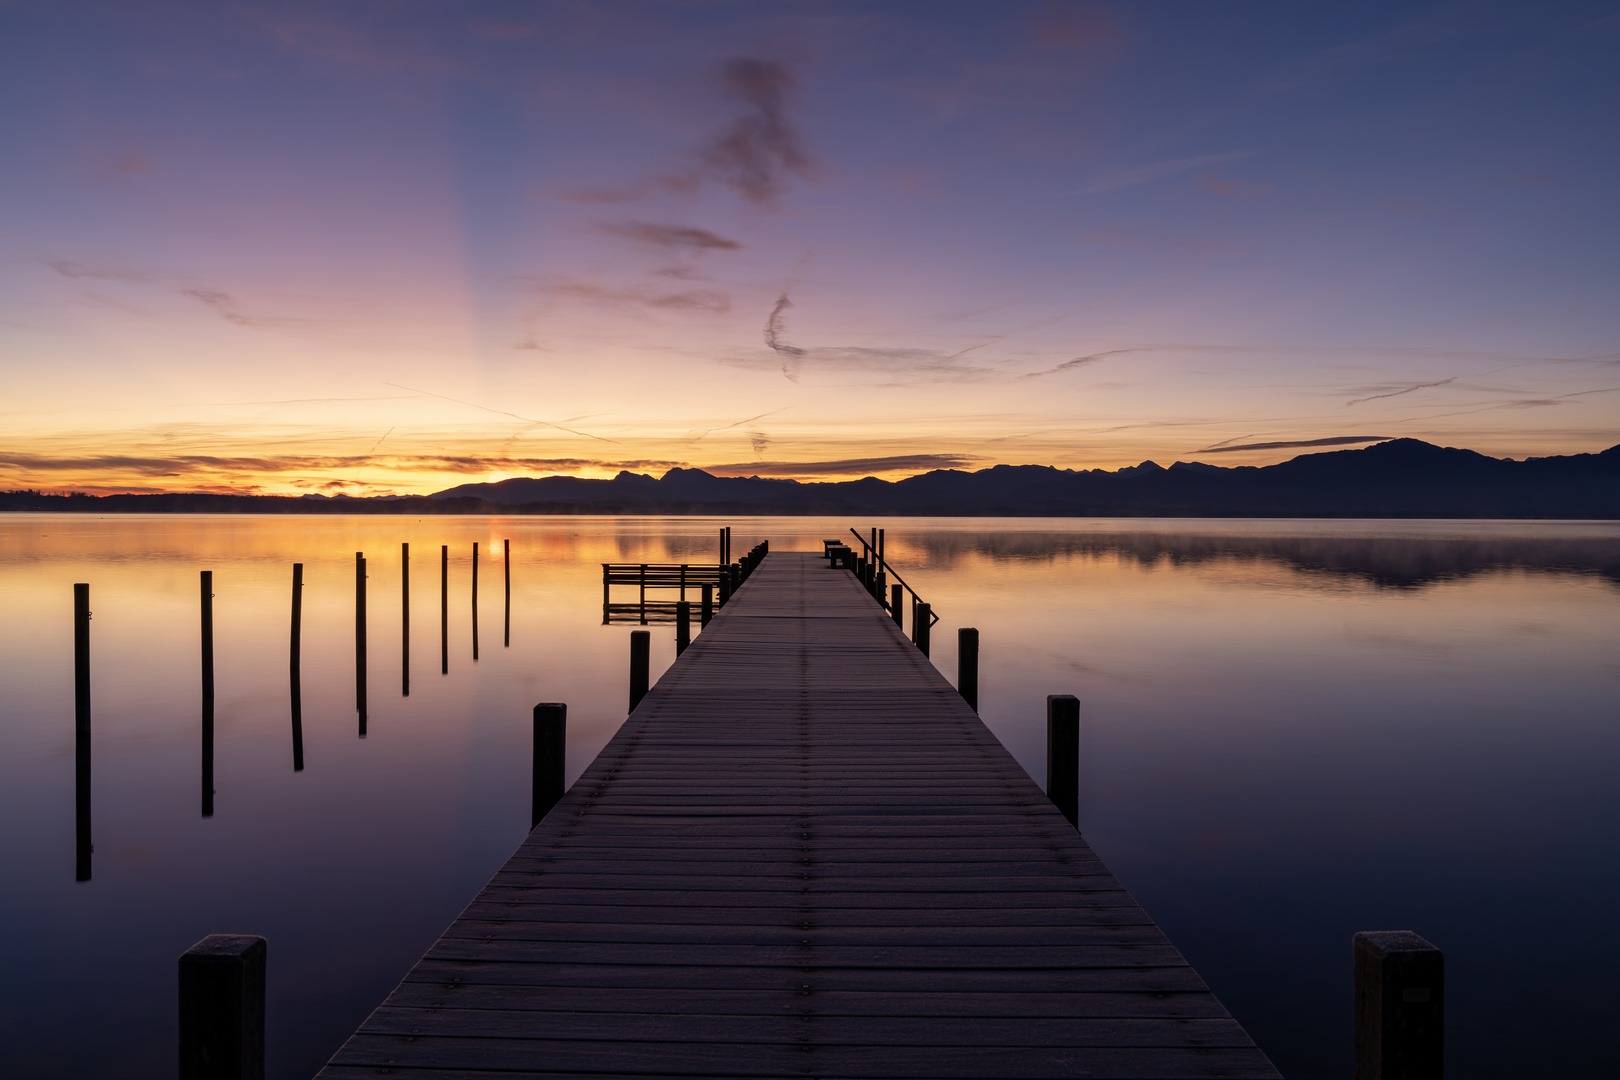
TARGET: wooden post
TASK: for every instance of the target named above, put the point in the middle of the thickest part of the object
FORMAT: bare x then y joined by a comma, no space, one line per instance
643,594
922,624
881,549
880,587
683,625
605,588
725,587
1400,1006
723,560
550,751
360,639
897,596
222,1008
81,732
640,664
475,601
404,620
444,609
207,584
1063,754
967,666
81,659
295,663
706,612
506,556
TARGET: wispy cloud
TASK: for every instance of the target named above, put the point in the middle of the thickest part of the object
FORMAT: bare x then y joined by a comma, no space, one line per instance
676,237
222,303
1334,440
502,412
182,465
1079,361
1143,174
711,300
845,466
760,151
76,270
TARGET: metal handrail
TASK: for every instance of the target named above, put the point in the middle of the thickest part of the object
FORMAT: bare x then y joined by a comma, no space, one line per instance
884,563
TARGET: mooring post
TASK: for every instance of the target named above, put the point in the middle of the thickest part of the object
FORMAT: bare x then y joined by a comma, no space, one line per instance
81,732
725,587
360,639
207,582
922,625
640,665
1063,754
642,577
506,557
1400,1006
880,587
683,625
81,659
967,665
897,596
475,601
222,1008
444,609
550,750
706,612
404,620
295,663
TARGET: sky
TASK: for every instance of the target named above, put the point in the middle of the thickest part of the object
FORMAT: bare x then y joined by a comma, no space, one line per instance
390,246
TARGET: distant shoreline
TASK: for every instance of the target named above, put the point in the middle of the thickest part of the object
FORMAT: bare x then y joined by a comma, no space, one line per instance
1400,479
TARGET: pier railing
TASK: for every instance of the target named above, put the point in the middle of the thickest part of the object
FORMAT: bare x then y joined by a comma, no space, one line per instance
714,582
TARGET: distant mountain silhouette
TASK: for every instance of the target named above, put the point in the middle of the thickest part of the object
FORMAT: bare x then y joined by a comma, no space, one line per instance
1402,478
1399,478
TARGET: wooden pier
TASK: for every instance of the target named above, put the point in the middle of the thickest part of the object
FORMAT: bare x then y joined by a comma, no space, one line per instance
802,855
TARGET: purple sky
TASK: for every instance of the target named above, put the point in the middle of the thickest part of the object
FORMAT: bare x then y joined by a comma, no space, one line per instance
397,246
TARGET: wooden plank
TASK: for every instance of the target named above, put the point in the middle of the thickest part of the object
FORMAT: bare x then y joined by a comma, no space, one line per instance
802,855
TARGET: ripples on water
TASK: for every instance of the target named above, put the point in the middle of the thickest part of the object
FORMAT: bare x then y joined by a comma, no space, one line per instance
1292,730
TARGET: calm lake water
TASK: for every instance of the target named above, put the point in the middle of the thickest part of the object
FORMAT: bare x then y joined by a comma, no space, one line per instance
1292,730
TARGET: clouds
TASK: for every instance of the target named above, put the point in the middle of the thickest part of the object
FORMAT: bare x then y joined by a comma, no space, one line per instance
1334,440
845,466
710,300
204,465
220,302
680,238
760,152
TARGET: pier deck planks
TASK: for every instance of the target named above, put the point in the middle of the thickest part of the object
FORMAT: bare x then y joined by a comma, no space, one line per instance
802,856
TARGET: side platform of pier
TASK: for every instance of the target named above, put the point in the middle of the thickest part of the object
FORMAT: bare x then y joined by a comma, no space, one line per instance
802,855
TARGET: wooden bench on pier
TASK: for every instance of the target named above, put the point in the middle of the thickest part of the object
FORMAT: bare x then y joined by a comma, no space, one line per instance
796,861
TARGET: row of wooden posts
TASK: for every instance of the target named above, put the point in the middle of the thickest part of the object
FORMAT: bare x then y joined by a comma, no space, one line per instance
1399,977
81,671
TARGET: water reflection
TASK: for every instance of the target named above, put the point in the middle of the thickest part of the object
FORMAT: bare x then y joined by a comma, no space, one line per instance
1387,561
1293,730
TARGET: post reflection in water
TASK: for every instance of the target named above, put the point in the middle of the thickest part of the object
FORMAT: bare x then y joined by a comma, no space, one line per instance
444,609
506,637
295,676
475,600
207,580
81,732
404,620
360,639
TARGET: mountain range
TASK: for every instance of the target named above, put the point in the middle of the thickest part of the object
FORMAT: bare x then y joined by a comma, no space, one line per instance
1401,478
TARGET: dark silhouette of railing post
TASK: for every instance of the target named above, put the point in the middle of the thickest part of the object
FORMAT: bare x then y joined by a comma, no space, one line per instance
1400,1006
550,752
706,612
295,664
683,625
967,666
922,618
1063,754
640,665
222,1008
81,732
206,580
